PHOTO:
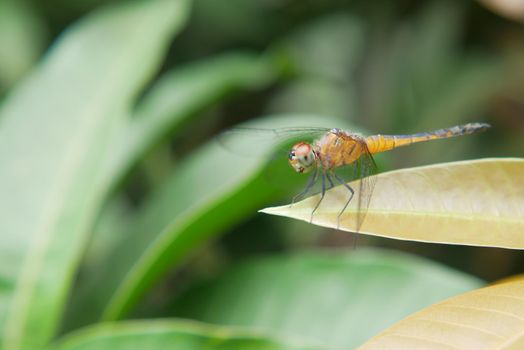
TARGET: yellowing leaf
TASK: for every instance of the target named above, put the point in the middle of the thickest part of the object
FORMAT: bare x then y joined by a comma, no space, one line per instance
479,202
487,318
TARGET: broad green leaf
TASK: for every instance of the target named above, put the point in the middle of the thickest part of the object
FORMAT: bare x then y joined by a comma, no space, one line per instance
22,39
477,202
178,96
338,299
209,191
54,130
487,318
171,334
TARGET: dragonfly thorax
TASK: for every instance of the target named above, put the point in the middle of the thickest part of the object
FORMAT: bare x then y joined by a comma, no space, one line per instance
302,157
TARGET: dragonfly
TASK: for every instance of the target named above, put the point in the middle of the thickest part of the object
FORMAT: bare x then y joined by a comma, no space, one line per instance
334,149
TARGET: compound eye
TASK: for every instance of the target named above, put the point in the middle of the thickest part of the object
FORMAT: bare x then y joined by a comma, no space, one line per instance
291,155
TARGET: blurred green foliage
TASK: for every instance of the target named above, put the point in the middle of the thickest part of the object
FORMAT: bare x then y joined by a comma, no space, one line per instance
115,199
348,306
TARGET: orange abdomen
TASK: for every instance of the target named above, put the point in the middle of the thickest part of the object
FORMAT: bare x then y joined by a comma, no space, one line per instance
382,143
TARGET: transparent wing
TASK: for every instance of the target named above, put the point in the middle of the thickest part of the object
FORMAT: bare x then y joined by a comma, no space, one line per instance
275,142
272,145
262,141
361,171
367,168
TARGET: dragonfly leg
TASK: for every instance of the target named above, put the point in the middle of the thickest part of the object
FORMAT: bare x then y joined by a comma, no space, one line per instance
311,182
331,184
321,196
342,182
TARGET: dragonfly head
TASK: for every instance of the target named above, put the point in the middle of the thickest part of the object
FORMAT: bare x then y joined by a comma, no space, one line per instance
302,157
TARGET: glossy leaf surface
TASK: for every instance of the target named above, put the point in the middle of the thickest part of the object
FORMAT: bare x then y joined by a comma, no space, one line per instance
477,202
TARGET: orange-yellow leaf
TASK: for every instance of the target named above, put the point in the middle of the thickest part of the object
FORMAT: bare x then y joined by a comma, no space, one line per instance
487,318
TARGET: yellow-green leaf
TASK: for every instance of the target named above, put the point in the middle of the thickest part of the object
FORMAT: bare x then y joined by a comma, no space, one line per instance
487,318
478,202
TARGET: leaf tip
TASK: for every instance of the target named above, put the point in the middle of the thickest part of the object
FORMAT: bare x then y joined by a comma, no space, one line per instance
270,210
